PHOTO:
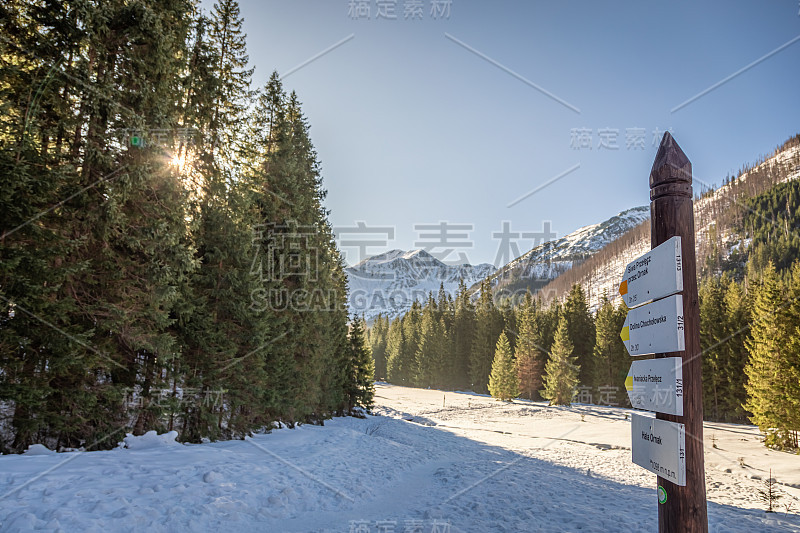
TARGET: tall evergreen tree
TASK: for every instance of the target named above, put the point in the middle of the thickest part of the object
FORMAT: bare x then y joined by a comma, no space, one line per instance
713,339
561,376
529,354
791,353
378,337
463,332
769,372
580,326
488,326
412,332
223,336
610,357
399,368
503,383
432,350
737,306
360,389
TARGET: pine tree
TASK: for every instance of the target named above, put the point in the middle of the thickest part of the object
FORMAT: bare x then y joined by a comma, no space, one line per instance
561,372
231,80
448,373
35,257
529,353
737,306
431,353
769,370
412,333
791,363
377,337
503,383
226,341
610,357
463,333
713,339
509,319
488,326
581,328
360,388
398,367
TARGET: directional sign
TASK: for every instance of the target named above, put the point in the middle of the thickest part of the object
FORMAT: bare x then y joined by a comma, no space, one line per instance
657,385
656,327
656,274
660,447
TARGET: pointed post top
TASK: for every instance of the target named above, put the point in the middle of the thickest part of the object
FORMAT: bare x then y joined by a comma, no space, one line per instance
672,170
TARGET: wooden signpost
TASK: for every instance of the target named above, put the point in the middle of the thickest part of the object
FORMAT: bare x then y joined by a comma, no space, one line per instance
671,444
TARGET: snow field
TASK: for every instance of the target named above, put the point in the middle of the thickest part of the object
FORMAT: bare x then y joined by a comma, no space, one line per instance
473,465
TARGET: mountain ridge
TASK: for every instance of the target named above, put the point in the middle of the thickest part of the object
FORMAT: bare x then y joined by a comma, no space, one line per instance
547,261
388,283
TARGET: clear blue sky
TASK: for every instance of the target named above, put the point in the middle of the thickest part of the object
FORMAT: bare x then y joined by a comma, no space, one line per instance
413,128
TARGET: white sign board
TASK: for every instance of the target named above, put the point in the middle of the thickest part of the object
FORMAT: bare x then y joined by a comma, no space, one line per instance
655,328
656,274
660,447
657,385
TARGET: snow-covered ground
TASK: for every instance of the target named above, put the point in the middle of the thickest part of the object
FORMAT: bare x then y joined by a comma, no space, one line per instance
429,462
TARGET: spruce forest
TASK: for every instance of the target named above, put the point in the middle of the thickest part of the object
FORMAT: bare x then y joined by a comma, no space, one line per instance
166,262
565,352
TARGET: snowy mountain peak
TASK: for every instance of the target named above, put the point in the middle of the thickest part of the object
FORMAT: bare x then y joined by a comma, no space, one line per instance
420,254
390,282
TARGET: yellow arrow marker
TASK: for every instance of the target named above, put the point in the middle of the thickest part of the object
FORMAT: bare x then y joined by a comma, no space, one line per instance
629,383
623,288
625,334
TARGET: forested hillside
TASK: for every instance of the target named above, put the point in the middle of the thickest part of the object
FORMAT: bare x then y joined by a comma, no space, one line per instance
720,223
165,258
565,346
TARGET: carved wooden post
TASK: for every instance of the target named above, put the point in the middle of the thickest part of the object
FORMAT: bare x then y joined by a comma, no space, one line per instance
671,213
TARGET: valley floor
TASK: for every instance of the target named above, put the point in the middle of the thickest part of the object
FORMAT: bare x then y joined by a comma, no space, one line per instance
430,461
